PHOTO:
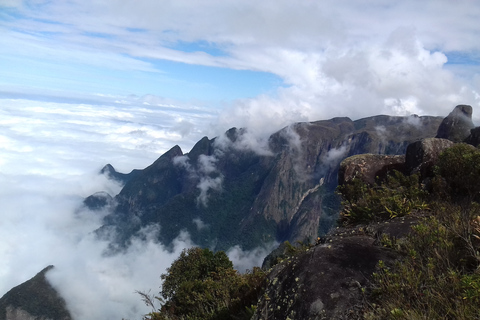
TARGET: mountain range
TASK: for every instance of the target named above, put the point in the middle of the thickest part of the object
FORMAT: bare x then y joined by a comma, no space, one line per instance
231,190
237,190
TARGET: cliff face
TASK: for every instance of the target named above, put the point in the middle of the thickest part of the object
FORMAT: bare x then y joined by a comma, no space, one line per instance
227,192
34,299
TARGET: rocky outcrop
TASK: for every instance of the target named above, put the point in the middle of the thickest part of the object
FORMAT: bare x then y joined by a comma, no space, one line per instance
474,137
457,125
422,155
370,168
328,281
34,299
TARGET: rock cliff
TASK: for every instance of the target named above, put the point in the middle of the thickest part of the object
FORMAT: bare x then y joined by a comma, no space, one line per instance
248,195
34,299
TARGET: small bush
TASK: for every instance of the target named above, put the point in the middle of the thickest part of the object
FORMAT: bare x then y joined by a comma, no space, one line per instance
438,278
398,196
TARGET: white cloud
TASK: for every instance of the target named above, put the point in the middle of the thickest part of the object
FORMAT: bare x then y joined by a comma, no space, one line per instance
51,153
205,185
96,286
44,137
336,57
334,155
206,164
199,224
246,260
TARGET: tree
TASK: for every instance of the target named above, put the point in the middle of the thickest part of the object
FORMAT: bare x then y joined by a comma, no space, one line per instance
202,284
195,264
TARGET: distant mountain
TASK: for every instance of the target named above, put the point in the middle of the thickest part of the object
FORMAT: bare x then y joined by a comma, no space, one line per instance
110,171
34,299
226,191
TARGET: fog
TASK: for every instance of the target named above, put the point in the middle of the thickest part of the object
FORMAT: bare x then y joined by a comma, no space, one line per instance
51,155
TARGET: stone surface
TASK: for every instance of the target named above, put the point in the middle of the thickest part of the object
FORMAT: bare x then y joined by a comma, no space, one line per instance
326,281
457,125
474,137
369,168
422,155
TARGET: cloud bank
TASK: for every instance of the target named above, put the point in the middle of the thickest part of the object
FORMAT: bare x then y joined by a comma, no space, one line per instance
332,58
50,157
51,154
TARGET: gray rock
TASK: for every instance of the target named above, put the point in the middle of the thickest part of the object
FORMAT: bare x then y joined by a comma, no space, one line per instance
474,137
457,125
422,155
369,168
325,282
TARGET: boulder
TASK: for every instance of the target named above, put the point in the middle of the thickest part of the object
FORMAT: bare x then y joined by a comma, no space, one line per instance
457,125
325,282
474,137
422,155
370,168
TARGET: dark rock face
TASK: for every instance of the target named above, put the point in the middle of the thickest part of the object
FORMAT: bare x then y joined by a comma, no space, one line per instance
325,282
98,201
248,196
422,155
110,171
369,168
34,299
457,125
474,137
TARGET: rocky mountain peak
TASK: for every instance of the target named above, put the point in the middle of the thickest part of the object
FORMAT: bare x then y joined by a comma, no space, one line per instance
34,299
457,125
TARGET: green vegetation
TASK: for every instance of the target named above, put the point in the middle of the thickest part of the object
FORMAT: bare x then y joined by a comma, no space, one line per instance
201,284
398,196
459,166
438,274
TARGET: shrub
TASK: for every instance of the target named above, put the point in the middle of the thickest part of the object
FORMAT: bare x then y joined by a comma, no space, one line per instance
397,196
459,166
438,276
201,284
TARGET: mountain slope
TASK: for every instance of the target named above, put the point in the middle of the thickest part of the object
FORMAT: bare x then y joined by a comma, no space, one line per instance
226,191
34,299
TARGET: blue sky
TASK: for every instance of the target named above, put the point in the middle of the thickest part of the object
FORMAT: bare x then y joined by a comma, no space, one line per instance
86,82
39,56
294,58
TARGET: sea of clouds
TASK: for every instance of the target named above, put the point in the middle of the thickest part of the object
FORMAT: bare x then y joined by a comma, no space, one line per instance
50,157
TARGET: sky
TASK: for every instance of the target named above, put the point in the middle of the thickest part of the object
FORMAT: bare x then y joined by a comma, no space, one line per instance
86,83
